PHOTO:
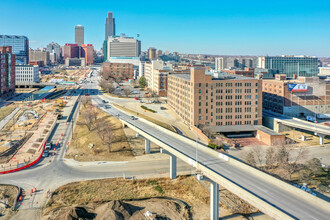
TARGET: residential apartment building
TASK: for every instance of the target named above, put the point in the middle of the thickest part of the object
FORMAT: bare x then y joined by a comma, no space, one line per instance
301,97
290,65
149,70
114,70
219,100
160,82
19,44
79,35
7,72
27,74
39,55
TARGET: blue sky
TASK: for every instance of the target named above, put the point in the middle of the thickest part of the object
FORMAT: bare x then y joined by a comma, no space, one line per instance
210,27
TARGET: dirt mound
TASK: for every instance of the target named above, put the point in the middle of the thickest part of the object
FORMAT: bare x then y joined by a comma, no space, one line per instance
77,213
116,210
123,210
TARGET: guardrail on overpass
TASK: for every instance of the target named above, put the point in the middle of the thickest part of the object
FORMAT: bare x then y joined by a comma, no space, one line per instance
246,195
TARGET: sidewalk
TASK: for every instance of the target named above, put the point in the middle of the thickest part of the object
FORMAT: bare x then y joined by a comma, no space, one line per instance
4,121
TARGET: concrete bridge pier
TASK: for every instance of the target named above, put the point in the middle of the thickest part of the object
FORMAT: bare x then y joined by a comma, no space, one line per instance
147,146
214,194
173,170
321,139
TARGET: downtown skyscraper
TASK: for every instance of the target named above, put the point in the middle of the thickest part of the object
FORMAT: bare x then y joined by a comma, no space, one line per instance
110,27
79,34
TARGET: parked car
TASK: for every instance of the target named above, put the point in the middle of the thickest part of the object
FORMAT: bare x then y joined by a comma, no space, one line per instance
104,101
45,154
59,116
107,106
162,108
48,146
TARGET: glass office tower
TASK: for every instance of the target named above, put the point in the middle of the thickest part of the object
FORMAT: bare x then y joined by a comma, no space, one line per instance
19,44
290,65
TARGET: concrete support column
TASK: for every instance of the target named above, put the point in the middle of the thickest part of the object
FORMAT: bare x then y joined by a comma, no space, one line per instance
173,169
147,146
321,139
214,196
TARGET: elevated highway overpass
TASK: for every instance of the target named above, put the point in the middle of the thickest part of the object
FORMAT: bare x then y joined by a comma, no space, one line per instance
270,195
281,121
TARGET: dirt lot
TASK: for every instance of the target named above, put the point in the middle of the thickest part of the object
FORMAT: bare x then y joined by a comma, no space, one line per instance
7,197
311,140
175,199
4,111
79,148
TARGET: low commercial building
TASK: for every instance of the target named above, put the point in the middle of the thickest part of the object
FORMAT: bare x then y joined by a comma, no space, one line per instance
7,72
115,70
75,62
301,97
220,100
27,74
324,71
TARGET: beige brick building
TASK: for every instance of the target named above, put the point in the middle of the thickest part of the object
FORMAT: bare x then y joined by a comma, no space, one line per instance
114,70
219,100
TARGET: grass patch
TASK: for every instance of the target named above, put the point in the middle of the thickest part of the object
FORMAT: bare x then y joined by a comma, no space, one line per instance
155,121
5,111
79,147
159,189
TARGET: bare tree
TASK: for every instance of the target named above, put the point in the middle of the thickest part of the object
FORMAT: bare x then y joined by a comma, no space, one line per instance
118,80
271,157
250,159
101,125
109,137
295,160
85,100
89,116
107,86
258,154
127,91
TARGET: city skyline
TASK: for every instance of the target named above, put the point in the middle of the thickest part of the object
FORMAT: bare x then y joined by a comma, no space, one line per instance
214,28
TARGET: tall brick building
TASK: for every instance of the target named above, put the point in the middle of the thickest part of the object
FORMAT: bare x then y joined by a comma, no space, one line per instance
219,100
7,72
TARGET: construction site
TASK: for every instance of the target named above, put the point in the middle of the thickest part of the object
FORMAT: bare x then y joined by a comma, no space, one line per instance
24,130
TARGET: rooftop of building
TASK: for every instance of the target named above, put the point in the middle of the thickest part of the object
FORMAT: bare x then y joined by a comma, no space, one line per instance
13,36
215,76
301,79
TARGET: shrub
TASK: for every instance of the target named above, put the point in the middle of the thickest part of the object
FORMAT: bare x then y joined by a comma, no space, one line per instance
148,109
159,189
